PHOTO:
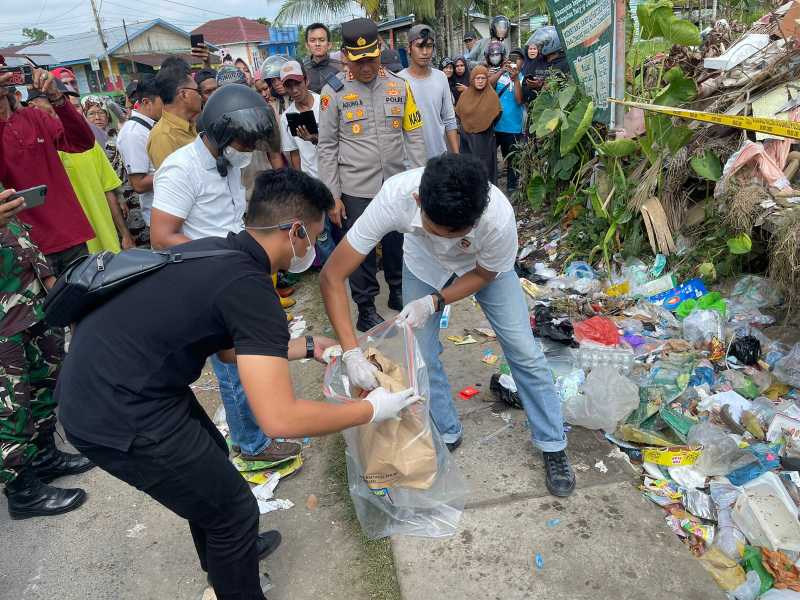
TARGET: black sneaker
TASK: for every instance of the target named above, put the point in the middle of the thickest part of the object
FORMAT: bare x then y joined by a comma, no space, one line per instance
267,543
559,475
395,299
368,318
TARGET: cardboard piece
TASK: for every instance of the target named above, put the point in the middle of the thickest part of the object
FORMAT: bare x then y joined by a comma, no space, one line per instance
657,225
397,452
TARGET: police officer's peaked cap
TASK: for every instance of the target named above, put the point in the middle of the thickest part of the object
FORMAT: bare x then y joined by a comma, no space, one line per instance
360,39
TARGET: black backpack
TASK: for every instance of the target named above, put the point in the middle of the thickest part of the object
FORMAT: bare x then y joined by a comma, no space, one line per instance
90,280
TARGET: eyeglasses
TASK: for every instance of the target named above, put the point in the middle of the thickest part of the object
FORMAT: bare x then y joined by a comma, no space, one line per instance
194,89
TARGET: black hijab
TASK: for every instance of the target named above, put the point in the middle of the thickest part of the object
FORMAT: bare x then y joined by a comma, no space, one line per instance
456,79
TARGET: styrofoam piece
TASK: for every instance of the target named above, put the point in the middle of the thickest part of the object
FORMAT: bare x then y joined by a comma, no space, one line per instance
739,52
767,515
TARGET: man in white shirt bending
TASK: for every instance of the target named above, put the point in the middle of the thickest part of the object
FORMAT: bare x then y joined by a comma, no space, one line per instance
460,239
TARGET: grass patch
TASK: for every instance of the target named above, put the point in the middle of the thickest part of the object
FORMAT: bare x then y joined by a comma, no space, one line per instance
380,576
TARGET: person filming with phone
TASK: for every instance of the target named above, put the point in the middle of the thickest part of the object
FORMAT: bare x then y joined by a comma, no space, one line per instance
29,145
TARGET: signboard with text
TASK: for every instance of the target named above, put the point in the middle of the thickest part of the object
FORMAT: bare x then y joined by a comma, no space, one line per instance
586,29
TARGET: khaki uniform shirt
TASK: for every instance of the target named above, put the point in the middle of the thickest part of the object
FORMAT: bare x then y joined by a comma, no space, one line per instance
368,132
170,133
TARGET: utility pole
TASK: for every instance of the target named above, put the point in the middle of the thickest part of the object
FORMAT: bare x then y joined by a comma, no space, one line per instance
128,41
103,43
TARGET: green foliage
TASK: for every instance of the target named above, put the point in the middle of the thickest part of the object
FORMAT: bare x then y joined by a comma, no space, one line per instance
707,166
536,191
740,244
618,148
34,34
576,124
680,89
657,20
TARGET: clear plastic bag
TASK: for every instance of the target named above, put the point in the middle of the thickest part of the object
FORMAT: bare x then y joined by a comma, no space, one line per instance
606,399
721,454
703,325
787,369
400,474
752,291
729,539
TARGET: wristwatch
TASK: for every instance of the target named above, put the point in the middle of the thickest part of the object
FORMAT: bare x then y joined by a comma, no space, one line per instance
310,346
438,301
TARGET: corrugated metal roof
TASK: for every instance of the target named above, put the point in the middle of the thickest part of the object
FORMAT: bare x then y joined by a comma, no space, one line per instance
76,48
233,30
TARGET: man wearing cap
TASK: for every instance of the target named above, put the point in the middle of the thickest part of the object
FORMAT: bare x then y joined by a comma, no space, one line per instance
132,145
432,92
369,128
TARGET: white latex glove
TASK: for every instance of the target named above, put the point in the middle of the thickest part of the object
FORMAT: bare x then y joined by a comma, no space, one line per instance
387,405
360,371
418,312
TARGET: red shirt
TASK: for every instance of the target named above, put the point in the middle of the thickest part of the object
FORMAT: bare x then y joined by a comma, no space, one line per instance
29,144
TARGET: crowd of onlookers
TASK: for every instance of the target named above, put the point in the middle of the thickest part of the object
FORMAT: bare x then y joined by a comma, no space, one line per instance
165,168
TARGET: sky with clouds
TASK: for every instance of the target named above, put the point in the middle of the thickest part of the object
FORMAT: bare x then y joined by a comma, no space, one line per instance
61,17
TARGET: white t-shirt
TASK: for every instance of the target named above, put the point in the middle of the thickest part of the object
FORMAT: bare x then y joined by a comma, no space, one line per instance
307,150
492,243
132,145
188,186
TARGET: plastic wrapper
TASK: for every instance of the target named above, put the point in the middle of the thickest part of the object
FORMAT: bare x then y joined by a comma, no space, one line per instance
749,590
598,330
787,369
607,399
702,326
755,292
721,454
400,474
730,539
725,571
580,270
699,504
711,301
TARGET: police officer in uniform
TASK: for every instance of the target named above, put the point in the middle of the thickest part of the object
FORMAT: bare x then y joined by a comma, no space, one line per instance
370,129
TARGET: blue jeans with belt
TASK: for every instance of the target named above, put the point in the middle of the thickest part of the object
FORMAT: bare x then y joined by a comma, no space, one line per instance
245,431
504,305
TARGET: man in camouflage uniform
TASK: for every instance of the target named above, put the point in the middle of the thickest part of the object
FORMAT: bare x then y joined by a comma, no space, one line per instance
30,358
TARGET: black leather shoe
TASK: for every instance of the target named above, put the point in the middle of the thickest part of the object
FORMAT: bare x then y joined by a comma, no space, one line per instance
368,318
267,543
395,299
560,477
52,463
29,497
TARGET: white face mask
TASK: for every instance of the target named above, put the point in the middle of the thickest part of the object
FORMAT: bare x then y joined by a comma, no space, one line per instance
298,264
236,157
494,59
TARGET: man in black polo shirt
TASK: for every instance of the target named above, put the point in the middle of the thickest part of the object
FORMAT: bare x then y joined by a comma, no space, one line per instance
124,387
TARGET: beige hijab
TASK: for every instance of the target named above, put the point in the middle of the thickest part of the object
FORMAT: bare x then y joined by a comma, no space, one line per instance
477,109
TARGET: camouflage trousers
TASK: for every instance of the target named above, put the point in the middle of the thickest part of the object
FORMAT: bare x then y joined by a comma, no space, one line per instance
29,365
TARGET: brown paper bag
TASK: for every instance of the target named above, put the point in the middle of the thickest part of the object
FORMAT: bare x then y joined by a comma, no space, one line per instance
397,452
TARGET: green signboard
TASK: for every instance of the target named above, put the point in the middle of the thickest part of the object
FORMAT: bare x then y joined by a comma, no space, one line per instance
586,28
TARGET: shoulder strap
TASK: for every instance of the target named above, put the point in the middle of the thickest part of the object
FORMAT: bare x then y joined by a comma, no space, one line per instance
141,122
176,257
505,87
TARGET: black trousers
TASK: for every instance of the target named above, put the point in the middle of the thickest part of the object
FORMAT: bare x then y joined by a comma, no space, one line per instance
363,281
59,261
507,141
189,473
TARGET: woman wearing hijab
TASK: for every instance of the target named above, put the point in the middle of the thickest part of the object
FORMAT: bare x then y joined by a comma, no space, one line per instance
478,109
446,67
534,72
459,82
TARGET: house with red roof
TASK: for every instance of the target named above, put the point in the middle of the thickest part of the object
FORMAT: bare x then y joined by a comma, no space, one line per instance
237,37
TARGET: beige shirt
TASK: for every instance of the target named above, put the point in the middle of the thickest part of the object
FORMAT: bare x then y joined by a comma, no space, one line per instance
170,133
367,133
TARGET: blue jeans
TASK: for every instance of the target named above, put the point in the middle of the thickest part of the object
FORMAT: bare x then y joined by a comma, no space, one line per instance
504,305
245,432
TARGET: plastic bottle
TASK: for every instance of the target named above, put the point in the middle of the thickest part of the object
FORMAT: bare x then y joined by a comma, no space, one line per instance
444,321
593,355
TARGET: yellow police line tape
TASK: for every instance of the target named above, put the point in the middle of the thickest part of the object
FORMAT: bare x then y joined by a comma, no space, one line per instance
787,129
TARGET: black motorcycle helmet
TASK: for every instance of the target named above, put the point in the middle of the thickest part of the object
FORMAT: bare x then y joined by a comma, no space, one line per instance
500,27
236,112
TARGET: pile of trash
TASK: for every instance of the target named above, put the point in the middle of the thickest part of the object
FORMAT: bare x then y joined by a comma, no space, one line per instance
686,383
